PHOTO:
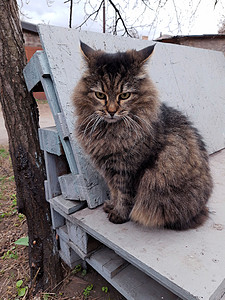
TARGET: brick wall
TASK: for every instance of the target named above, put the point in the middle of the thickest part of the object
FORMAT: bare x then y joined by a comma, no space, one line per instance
32,44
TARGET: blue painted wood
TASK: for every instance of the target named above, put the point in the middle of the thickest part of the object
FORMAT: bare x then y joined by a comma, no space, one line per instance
190,79
68,207
70,257
35,69
57,219
71,187
90,182
49,140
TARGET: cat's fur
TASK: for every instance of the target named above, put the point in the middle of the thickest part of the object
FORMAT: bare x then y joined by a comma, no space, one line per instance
153,160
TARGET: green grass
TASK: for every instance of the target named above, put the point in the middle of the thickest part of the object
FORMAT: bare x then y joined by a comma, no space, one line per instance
4,153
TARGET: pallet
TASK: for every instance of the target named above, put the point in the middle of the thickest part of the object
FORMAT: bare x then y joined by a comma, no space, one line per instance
140,263
184,265
190,264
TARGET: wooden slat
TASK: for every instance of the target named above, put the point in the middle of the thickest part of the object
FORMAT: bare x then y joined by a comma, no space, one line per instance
189,263
67,206
70,257
190,79
49,140
36,69
129,281
71,187
55,166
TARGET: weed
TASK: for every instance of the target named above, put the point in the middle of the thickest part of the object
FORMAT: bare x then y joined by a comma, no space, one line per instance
21,216
21,290
77,269
87,290
5,214
84,272
10,254
105,289
3,178
4,153
14,200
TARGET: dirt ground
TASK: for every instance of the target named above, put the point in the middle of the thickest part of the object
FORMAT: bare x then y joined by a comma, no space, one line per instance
14,270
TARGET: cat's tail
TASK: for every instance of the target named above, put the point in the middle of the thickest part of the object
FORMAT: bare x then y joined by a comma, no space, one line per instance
193,223
156,218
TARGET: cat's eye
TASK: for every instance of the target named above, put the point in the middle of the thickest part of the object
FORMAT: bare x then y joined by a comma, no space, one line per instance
124,96
100,95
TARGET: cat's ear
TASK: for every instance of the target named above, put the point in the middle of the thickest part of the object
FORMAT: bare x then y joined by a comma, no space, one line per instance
145,53
87,51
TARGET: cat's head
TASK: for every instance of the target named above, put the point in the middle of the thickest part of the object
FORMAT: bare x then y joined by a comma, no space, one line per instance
115,85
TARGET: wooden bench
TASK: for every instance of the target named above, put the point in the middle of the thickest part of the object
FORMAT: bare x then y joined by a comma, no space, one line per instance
141,263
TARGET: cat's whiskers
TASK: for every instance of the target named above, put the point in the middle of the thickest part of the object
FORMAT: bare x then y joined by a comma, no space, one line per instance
94,126
145,124
84,121
89,125
135,126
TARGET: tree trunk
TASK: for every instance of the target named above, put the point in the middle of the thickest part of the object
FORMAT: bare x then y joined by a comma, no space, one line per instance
21,118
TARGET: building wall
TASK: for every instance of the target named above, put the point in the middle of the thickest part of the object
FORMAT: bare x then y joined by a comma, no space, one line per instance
31,39
213,44
32,44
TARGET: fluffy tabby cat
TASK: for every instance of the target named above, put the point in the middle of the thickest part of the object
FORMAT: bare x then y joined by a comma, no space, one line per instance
153,160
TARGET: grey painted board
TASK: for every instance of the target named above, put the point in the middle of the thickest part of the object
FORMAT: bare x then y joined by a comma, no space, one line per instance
70,257
47,193
49,140
55,167
57,219
38,71
111,263
187,78
35,69
67,206
71,187
63,233
130,282
52,185
190,79
78,236
189,263
81,240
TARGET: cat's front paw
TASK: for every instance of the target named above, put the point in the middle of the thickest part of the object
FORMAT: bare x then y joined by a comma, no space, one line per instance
108,206
116,218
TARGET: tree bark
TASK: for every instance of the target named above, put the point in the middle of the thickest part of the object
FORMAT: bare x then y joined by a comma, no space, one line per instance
22,121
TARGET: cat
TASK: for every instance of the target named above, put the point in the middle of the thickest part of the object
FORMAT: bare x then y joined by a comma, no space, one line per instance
153,160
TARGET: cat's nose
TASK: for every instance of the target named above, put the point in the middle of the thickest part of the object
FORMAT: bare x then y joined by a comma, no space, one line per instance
112,113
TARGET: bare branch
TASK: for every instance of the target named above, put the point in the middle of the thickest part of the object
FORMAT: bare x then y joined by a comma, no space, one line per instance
120,18
96,12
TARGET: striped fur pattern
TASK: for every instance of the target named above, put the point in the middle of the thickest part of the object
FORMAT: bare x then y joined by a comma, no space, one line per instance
152,158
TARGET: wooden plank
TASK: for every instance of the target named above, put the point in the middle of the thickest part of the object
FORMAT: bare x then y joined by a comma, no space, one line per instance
35,70
111,263
55,167
47,192
196,76
81,239
67,206
62,125
63,233
130,282
189,263
49,140
57,219
70,257
71,187
97,190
